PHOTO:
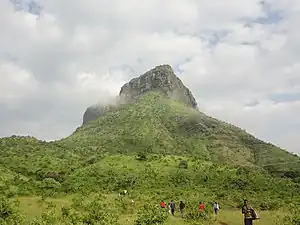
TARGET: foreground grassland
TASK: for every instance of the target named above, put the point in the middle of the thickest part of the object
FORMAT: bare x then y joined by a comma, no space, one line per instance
33,207
148,181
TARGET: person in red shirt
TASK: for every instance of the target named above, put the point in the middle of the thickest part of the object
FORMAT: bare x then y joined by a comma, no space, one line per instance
162,204
201,206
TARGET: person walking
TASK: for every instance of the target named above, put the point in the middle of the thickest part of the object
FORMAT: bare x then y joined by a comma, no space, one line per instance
216,207
201,207
163,204
249,213
172,207
181,207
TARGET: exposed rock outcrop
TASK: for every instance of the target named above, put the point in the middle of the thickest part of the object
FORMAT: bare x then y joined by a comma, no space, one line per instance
161,78
93,113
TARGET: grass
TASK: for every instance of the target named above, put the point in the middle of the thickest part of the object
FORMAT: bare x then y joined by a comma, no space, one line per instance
33,207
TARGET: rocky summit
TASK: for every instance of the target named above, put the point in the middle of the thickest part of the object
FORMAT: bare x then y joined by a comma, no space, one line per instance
159,79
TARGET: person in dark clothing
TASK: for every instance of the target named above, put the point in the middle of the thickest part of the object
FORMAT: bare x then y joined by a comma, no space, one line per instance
181,207
172,207
247,210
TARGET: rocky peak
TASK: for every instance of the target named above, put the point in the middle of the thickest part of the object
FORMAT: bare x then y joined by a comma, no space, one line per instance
161,78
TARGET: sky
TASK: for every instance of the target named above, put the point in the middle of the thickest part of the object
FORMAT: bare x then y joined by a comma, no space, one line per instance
240,59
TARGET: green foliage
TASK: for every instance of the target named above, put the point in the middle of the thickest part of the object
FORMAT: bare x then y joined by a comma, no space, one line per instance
47,218
151,214
9,214
270,204
293,217
97,214
90,213
50,183
194,215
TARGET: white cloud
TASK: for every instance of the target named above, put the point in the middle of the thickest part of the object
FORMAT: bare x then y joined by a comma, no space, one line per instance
76,53
15,82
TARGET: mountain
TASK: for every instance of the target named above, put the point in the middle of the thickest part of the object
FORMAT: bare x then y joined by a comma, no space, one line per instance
158,114
154,142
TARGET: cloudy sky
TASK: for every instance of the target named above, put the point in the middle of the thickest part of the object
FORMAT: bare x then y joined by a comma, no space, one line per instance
240,58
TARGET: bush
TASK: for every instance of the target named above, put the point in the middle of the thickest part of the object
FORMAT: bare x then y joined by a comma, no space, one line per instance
50,183
180,178
194,216
293,217
269,204
98,214
150,215
9,215
47,218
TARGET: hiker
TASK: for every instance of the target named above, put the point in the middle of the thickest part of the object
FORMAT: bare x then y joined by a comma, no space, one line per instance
249,214
162,204
181,207
216,207
201,206
172,207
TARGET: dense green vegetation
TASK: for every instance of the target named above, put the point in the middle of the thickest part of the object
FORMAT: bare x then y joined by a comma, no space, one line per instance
156,149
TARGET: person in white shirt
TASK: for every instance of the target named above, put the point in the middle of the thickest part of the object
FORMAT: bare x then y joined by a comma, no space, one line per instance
216,207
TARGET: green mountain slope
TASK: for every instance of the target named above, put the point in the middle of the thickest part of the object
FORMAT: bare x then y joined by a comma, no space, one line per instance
157,124
151,125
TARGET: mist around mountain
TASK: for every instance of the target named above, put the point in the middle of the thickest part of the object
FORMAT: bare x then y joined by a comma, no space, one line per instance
155,143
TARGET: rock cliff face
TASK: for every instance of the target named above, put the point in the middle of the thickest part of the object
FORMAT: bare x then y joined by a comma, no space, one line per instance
161,78
93,113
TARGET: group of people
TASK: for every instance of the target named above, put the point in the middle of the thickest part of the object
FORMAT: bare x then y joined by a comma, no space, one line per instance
172,207
249,213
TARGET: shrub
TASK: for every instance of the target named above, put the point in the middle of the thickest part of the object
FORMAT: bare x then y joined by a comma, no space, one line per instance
180,178
293,217
47,218
50,183
9,215
269,204
150,215
194,216
97,214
